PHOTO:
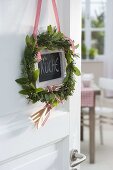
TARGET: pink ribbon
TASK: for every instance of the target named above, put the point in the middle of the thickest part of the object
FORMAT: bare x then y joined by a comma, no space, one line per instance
55,88
72,43
56,14
39,5
43,113
38,11
38,56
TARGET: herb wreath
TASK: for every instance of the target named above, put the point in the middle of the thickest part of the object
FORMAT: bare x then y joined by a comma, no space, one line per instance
49,40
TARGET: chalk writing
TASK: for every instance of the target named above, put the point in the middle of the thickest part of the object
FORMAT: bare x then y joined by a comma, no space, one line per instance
50,67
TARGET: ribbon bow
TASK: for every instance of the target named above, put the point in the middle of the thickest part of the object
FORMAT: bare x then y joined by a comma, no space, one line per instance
39,118
55,88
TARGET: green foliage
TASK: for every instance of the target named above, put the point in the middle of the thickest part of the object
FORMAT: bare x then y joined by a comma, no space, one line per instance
49,29
22,81
49,40
39,90
98,21
92,53
35,75
98,36
84,51
30,41
76,71
76,46
24,92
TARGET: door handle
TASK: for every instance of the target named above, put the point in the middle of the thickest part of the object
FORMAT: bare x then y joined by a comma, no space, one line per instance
76,158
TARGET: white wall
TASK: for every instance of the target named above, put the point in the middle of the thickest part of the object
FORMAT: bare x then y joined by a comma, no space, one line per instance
94,67
108,59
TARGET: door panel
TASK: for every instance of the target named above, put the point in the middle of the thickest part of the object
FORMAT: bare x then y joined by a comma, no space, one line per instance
51,157
24,139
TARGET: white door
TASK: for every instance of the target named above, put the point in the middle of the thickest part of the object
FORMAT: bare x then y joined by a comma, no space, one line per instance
22,147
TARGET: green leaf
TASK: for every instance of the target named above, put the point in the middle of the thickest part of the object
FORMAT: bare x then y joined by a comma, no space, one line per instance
33,42
35,75
69,59
39,90
66,78
47,97
24,92
32,86
76,46
22,81
28,40
76,71
76,55
68,56
49,29
55,103
52,97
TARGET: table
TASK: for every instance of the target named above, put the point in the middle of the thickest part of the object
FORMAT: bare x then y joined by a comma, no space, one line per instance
96,91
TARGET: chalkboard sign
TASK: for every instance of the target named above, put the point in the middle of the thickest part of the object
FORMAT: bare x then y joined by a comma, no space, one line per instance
50,66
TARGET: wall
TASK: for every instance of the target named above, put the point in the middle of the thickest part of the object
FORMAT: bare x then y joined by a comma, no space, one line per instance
95,67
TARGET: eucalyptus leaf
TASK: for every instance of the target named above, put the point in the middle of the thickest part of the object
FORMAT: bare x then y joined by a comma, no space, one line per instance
52,97
32,86
68,57
55,103
49,29
76,71
24,92
22,81
76,55
35,75
28,41
66,78
33,42
76,46
39,90
47,97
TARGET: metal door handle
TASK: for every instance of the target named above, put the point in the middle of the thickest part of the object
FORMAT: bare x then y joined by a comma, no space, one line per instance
76,158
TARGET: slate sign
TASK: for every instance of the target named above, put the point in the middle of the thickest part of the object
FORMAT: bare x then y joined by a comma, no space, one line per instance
50,66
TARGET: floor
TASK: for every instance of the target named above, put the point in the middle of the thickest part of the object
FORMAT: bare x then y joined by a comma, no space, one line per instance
104,153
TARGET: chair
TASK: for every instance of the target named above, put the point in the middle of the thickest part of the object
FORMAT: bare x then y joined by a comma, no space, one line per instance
104,112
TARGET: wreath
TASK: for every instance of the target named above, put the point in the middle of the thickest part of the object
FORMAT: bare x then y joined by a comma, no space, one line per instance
51,95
